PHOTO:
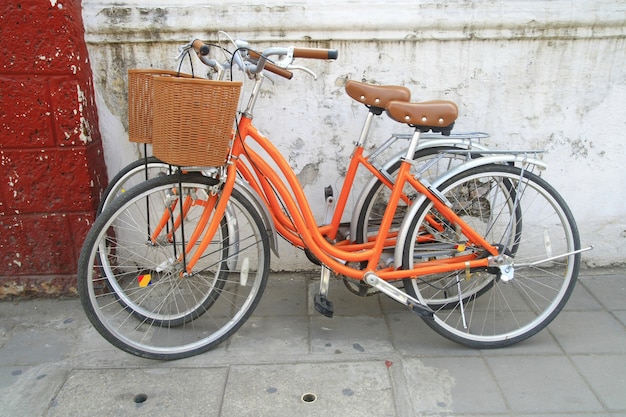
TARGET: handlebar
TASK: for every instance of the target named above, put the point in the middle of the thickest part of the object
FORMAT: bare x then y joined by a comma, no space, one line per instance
253,63
203,49
315,53
262,63
291,53
271,67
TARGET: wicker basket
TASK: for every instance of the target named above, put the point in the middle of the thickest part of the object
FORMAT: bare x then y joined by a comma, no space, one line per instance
140,93
193,120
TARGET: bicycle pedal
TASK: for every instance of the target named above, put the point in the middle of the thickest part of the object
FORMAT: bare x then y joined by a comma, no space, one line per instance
323,305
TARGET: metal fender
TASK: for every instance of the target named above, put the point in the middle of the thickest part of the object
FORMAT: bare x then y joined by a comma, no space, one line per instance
233,236
464,142
256,200
485,160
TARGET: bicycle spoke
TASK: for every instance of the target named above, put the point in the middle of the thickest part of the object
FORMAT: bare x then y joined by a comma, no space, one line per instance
516,209
136,292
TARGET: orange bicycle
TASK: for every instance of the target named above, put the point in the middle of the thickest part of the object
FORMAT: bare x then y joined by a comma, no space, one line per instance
487,254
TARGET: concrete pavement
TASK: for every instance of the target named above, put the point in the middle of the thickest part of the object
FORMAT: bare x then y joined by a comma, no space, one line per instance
373,358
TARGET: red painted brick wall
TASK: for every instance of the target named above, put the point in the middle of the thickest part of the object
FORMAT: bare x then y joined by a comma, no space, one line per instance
51,164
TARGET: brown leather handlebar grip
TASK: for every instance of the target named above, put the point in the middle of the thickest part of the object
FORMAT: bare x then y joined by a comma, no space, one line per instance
273,68
315,53
200,47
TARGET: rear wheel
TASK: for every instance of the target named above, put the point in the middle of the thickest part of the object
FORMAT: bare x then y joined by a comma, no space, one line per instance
132,174
482,309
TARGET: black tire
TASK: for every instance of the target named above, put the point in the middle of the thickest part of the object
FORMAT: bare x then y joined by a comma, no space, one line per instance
132,174
176,316
493,312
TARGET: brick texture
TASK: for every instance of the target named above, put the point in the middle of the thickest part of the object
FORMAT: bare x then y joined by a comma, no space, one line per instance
51,166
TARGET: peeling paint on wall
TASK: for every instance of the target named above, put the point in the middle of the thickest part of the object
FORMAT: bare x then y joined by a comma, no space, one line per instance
84,129
548,75
308,175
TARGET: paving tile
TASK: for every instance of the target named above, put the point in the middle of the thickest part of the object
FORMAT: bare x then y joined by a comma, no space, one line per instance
472,388
391,306
609,290
578,414
580,332
9,318
276,335
411,336
607,376
92,351
373,358
620,315
542,384
341,389
27,391
285,295
428,388
49,312
582,299
5,333
147,392
36,345
9,375
339,334
42,331
541,343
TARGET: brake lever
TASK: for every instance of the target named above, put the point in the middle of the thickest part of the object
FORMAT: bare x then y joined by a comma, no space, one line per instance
183,49
301,68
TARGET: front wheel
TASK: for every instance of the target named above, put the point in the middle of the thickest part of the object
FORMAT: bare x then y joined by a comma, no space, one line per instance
131,278
484,310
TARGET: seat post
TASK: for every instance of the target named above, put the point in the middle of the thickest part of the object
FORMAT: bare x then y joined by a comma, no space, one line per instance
413,145
366,128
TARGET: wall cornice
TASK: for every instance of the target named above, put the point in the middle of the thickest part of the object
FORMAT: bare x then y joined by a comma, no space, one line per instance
134,21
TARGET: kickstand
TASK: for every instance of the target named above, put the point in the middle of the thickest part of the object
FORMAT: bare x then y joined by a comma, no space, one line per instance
322,304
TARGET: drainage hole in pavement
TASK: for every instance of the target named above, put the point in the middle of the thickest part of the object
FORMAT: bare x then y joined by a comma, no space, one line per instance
140,398
308,397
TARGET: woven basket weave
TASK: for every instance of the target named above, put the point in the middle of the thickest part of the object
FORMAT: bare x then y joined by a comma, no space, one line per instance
193,120
140,93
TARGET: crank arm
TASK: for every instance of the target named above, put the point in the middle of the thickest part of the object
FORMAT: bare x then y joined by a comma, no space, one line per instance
398,295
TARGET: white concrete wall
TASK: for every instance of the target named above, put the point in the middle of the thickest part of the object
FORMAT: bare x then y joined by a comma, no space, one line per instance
534,74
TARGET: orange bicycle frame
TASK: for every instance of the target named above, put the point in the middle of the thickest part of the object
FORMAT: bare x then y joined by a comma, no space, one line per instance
297,223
